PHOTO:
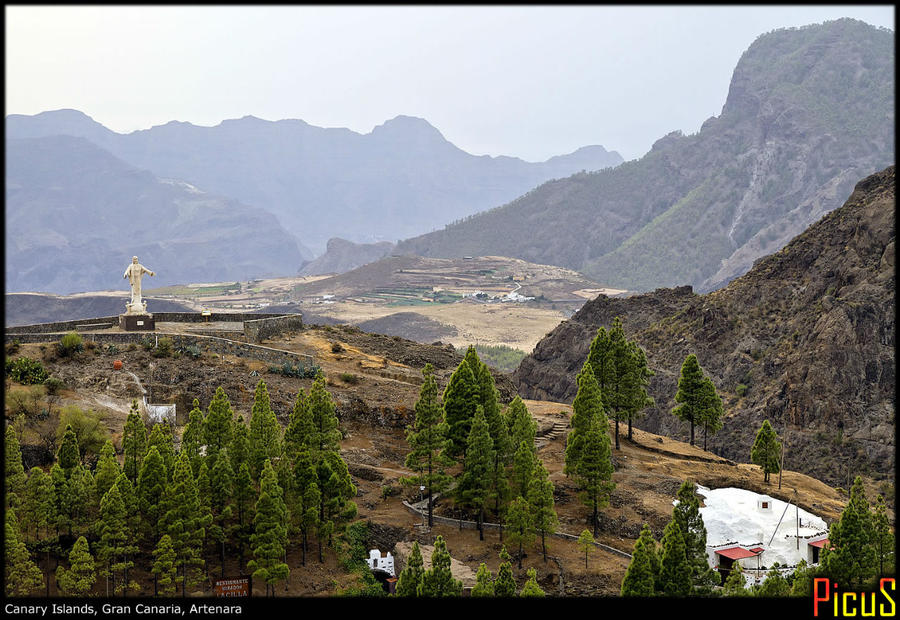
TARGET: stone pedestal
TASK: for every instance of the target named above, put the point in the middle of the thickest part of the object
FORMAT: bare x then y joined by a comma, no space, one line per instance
137,322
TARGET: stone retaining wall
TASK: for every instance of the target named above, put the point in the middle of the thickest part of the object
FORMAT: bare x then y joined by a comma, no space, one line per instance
208,344
257,330
60,326
160,317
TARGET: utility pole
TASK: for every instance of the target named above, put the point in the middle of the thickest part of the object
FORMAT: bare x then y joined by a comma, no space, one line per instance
783,446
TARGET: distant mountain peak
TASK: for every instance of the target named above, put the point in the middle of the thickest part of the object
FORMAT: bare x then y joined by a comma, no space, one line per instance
407,125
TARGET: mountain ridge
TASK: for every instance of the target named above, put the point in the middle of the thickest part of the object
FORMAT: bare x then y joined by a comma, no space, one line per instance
809,111
401,179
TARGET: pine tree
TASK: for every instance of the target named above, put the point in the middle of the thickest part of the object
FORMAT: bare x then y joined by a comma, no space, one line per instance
306,498
217,426
326,435
134,442
735,582
411,576
83,498
711,411
586,544
133,526
521,525
335,488
505,584
801,585
850,556
636,386
113,531
68,455
687,514
531,587
587,406
151,488
488,398
300,428
616,394
460,399
15,470
690,396
428,443
540,498
220,495
239,448
164,570
107,470
38,511
243,496
644,566
594,473
23,576
184,523
484,582
474,483
775,585
265,432
37,507
766,451
882,538
522,426
161,438
524,465
62,498
438,580
192,438
270,531
674,570
80,577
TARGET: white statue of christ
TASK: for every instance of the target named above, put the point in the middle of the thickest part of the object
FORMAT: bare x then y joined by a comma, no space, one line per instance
134,273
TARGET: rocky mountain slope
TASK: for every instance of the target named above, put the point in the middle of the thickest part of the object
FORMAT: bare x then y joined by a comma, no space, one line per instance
809,112
341,256
76,214
808,333
401,179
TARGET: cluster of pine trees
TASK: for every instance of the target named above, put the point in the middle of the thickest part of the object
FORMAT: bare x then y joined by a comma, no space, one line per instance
679,566
231,488
500,472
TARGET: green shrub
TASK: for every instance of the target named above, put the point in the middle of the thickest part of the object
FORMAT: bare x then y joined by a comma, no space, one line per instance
26,371
53,385
741,390
70,344
350,378
13,347
147,343
112,349
163,348
192,350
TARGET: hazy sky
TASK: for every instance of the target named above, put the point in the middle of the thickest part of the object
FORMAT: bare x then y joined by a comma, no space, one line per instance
530,81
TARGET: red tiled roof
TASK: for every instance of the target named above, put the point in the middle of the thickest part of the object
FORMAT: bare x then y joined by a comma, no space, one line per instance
819,543
736,553
757,549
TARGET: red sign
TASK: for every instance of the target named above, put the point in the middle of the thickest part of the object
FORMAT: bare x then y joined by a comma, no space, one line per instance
232,587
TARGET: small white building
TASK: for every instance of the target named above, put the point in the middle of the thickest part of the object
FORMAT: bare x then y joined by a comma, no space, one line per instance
384,564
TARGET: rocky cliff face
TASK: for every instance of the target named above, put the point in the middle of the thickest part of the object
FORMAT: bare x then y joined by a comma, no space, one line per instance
341,256
805,339
809,112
